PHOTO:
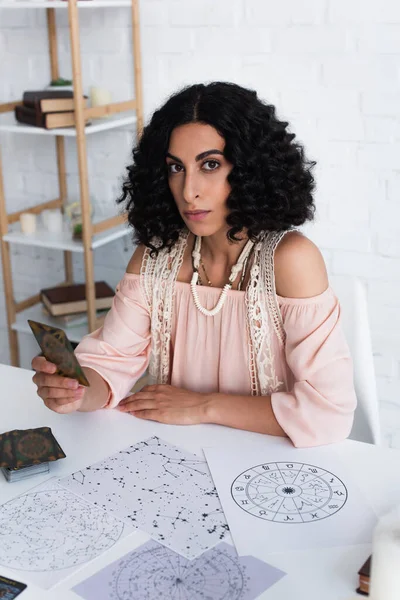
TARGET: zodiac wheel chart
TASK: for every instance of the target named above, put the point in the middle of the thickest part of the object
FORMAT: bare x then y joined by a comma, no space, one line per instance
289,492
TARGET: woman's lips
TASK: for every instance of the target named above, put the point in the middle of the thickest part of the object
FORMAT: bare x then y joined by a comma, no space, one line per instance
197,215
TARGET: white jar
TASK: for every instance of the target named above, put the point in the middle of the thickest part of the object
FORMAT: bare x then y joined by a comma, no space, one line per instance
55,221
385,566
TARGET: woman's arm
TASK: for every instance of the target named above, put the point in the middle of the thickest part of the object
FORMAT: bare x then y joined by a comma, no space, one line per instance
177,406
116,355
97,395
251,413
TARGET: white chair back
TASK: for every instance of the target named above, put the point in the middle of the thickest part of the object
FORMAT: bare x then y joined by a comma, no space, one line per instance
354,309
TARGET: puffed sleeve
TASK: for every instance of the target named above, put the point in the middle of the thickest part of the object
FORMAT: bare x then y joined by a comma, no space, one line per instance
319,409
119,350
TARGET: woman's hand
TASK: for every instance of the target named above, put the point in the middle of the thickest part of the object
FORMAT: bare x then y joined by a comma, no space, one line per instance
167,404
61,394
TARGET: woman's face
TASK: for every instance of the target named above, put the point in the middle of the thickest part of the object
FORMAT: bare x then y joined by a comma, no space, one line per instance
198,177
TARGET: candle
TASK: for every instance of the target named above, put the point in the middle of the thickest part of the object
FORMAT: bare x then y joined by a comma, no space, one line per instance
385,566
99,96
54,221
28,223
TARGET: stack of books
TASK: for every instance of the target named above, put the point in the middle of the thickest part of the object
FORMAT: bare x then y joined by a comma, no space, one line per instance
74,320
67,303
364,577
50,109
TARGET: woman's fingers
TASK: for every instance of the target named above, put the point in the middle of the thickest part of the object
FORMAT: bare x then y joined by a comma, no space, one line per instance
137,404
56,381
62,408
136,397
60,395
39,363
149,415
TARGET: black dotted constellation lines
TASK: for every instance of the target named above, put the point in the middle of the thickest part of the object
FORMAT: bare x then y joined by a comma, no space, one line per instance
160,489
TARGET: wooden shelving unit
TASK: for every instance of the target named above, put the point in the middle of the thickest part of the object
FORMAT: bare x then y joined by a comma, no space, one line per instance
94,234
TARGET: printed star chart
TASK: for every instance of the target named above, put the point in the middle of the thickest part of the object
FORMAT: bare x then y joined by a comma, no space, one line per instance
154,571
280,498
160,489
48,532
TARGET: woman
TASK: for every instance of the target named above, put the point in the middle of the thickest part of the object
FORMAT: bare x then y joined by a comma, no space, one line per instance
226,304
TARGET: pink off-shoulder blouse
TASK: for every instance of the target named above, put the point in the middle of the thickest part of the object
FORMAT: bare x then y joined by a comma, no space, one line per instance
208,354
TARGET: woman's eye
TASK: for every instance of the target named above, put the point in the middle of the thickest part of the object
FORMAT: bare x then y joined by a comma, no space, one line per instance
211,165
174,168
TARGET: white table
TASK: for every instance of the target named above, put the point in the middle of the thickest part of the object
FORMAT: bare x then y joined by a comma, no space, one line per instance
323,574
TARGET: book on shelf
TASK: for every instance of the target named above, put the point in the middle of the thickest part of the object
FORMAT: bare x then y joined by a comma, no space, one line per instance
75,319
30,116
364,578
71,299
48,101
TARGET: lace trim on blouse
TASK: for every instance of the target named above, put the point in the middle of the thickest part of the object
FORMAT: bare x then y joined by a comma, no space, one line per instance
158,276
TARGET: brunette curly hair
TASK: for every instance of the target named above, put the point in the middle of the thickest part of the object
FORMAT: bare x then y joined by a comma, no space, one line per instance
271,181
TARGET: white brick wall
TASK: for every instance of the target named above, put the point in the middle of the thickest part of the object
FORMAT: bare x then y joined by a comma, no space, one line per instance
330,66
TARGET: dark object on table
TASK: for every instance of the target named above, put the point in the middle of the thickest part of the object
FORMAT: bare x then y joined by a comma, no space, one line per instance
57,349
27,447
9,588
68,299
364,578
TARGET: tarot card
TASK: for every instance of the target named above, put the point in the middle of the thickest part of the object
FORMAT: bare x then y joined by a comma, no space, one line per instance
6,457
57,349
9,588
34,446
6,450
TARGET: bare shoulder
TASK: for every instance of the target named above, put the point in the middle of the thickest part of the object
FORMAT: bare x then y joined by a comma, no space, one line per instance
300,270
135,262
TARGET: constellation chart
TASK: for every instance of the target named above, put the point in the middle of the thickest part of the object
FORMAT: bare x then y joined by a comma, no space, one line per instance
289,492
159,488
153,571
49,531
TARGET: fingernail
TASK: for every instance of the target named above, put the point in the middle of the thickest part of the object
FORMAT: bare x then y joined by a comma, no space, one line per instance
73,384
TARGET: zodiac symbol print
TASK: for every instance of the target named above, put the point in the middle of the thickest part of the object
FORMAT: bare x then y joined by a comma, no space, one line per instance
289,492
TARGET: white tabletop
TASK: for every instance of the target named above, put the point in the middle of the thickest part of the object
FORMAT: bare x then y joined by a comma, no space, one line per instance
322,574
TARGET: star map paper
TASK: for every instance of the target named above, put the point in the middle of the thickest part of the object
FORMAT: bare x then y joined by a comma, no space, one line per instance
160,489
153,571
48,532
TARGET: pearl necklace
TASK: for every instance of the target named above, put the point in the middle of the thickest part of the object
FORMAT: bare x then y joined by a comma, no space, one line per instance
236,269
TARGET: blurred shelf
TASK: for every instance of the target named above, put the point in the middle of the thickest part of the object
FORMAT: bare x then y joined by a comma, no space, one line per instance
8,123
62,3
64,241
129,121
75,334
